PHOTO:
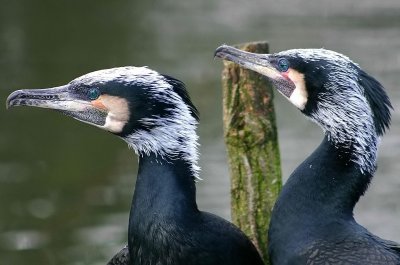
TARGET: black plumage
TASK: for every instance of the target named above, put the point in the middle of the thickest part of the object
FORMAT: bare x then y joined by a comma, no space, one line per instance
154,114
121,258
312,221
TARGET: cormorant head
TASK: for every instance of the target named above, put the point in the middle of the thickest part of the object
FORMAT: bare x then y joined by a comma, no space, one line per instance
150,111
351,106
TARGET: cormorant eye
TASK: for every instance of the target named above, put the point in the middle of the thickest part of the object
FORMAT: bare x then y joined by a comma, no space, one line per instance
93,93
283,65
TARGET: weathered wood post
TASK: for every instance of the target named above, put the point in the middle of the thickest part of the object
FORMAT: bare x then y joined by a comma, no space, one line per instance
252,144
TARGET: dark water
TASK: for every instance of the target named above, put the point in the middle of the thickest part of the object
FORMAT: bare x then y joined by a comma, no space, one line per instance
65,187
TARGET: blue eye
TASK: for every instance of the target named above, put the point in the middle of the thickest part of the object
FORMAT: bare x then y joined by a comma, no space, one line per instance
93,93
283,65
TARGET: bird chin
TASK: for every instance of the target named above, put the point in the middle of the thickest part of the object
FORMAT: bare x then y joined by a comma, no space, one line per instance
93,117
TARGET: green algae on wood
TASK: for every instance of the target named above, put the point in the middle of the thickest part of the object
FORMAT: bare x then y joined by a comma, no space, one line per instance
252,144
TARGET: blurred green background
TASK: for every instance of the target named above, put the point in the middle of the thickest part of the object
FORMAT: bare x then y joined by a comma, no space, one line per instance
66,187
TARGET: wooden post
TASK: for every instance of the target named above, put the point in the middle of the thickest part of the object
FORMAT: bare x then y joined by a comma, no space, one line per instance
252,144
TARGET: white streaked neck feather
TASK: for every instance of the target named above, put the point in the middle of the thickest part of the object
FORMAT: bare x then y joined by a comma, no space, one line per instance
169,137
342,110
346,118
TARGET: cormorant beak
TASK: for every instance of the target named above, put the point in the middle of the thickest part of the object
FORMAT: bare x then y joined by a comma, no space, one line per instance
259,63
253,61
61,99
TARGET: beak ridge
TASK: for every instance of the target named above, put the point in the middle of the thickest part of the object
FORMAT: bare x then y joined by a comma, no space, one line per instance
37,97
253,61
58,98
240,57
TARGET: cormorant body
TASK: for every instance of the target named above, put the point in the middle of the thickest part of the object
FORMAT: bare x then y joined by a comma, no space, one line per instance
181,232
312,221
155,116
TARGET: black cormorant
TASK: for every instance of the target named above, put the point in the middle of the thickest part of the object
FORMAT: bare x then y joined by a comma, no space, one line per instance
312,221
155,116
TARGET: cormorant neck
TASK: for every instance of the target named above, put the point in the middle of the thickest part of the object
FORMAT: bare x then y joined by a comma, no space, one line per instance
320,193
326,185
361,147
169,139
165,196
164,182
348,125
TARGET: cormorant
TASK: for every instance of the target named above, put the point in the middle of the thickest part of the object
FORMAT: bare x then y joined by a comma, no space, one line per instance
155,116
312,221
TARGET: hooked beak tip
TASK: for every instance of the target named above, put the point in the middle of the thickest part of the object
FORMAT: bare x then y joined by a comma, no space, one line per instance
11,99
220,51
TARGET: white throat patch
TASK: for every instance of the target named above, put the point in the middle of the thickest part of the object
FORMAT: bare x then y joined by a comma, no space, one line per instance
299,95
118,113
